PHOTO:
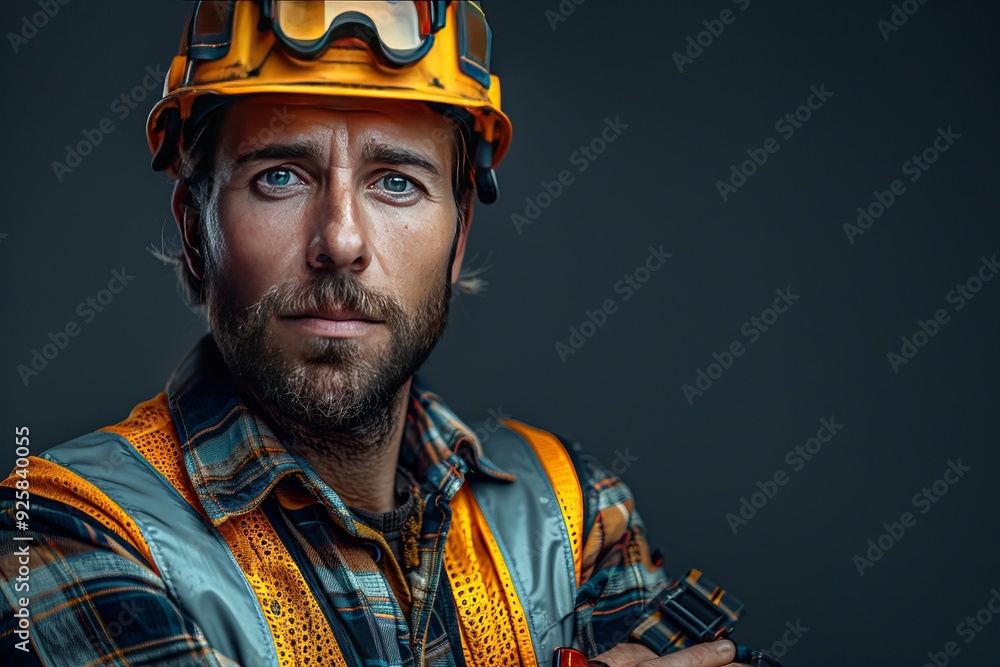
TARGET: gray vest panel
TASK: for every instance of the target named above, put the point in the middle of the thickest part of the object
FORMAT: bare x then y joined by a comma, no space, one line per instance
197,566
529,528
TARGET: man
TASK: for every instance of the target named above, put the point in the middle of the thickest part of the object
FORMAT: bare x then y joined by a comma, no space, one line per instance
297,496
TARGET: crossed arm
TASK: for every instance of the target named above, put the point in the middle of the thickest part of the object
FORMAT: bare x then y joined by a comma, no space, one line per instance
619,579
91,597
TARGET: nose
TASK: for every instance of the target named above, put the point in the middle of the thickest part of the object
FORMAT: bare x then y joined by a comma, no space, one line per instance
340,234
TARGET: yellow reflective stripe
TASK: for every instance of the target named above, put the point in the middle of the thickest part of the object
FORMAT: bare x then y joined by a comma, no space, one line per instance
562,475
494,629
301,632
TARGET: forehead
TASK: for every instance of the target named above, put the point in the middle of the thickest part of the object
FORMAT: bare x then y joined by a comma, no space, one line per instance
262,119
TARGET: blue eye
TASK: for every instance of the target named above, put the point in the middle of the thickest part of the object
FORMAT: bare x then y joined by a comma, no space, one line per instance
395,183
278,178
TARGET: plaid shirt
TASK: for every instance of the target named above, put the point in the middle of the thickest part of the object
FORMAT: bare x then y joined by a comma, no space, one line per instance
94,601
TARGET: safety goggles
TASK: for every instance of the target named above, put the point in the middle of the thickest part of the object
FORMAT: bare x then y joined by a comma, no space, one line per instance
399,32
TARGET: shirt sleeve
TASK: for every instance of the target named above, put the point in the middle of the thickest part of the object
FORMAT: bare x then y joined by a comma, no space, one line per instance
75,593
620,577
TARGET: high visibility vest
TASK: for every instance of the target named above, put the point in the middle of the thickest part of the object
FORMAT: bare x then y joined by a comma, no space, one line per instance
512,554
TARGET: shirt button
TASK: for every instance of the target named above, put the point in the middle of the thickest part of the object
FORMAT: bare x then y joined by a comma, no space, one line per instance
376,552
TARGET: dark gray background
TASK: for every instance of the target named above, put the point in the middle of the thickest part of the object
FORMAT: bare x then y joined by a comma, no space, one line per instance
825,357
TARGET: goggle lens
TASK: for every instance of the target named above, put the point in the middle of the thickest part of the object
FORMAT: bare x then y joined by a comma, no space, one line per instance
399,24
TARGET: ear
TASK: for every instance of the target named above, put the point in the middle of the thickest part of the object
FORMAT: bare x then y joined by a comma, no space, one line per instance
463,234
188,224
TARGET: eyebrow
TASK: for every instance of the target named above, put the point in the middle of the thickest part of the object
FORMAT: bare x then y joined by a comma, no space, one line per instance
282,152
372,151
377,151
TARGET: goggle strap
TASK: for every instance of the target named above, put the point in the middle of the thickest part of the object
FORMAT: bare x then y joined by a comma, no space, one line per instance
439,9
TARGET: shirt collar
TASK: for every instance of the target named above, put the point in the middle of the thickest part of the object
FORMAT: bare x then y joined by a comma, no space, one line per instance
234,459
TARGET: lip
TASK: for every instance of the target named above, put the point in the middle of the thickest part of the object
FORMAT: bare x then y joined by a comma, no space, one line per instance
337,315
338,323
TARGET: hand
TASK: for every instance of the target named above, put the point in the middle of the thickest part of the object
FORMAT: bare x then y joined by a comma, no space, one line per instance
714,654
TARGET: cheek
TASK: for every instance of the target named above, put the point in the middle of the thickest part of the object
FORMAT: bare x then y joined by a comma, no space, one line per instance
258,244
412,246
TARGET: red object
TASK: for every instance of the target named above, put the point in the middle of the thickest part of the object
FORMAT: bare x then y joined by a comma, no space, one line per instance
570,657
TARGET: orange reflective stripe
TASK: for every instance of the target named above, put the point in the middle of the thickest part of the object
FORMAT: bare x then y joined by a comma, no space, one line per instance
562,475
494,630
301,632
50,480
151,431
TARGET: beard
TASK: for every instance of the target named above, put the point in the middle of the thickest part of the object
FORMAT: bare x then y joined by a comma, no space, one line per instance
322,389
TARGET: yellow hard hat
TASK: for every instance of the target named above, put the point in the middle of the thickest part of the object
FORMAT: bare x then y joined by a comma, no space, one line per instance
426,51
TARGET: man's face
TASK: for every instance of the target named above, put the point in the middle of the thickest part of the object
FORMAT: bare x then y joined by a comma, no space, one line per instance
327,277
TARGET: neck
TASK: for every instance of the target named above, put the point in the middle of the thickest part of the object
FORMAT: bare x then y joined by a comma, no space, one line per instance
360,468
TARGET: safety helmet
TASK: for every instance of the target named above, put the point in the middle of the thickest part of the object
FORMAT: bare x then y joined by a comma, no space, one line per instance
427,51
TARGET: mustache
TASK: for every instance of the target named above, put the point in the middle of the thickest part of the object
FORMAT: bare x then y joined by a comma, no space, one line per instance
331,291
